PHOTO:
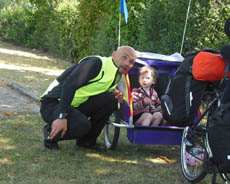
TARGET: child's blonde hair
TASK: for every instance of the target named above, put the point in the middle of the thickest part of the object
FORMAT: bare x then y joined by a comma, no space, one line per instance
146,69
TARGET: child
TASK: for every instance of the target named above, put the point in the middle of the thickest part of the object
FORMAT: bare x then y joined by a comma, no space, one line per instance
146,105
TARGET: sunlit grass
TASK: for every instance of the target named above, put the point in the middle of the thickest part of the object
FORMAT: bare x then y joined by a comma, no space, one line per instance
108,159
5,161
22,53
158,160
33,71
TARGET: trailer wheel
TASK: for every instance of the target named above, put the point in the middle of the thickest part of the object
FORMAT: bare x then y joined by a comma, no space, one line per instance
111,132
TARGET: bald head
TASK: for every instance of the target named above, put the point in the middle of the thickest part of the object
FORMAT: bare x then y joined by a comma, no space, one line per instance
126,47
124,58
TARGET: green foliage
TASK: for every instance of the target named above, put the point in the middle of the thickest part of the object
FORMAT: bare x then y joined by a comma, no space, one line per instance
106,39
158,26
45,25
66,29
129,32
3,3
206,24
89,15
161,27
41,35
12,26
54,28
76,28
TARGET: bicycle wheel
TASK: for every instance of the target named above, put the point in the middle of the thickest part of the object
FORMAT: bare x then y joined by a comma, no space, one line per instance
193,157
225,177
111,132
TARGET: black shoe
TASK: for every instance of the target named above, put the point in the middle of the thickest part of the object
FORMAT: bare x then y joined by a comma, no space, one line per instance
96,147
49,143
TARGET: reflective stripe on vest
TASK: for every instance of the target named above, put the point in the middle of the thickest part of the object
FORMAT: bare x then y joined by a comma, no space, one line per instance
51,86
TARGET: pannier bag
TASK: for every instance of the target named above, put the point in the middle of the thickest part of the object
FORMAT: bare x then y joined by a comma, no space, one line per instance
208,67
183,94
219,136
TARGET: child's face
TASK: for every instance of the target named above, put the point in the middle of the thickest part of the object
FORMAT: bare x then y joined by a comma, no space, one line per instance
146,80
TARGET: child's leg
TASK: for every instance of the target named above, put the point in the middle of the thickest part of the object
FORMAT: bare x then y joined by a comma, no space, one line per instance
163,122
156,118
145,119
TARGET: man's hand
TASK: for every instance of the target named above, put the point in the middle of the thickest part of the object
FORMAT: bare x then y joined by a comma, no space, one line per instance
119,95
57,126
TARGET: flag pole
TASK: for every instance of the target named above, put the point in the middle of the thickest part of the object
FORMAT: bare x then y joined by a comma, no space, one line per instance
185,26
123,10
119,30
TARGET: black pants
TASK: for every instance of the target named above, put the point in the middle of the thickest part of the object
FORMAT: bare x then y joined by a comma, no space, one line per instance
85,122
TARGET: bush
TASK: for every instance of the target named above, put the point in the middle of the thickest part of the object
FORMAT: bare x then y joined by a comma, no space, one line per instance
41,26
67,28
55,29
206,25
162,27
76,28
12,24
106,36
3,3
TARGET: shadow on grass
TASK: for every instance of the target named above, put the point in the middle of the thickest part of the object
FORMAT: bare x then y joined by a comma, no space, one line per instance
23,159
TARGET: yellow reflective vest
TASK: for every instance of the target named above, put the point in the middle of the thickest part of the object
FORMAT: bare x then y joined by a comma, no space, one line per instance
103,82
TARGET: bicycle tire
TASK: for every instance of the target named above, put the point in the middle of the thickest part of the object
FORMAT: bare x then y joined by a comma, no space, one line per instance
195,171
198,132
225,177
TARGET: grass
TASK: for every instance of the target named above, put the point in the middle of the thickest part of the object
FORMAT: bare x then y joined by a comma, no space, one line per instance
24,160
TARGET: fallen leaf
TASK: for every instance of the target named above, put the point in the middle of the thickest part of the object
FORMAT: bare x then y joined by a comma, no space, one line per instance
165,159
3,84
13,170
72,180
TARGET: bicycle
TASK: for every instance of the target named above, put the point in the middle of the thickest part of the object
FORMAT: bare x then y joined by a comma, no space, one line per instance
196,155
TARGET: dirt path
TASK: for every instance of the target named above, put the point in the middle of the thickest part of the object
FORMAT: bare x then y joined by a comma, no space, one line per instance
24,76
14,101
20,67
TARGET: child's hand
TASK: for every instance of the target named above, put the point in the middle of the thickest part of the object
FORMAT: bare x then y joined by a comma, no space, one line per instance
135,95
